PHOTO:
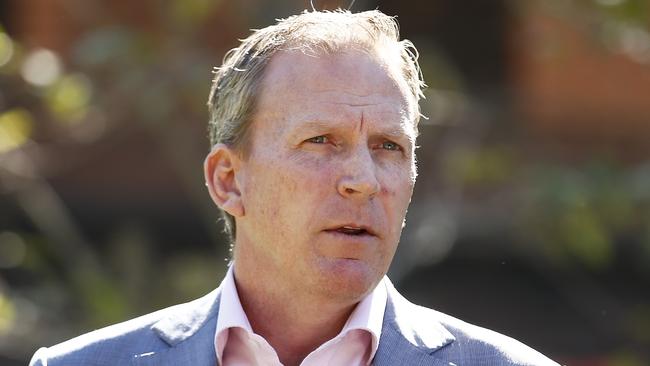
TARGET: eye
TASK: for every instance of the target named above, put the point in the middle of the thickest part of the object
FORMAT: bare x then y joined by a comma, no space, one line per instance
319,139
391,146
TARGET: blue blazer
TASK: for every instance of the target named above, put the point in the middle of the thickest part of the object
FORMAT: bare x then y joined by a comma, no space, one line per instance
184,335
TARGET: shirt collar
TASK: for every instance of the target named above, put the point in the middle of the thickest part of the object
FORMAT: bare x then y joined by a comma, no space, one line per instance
231,313
368,315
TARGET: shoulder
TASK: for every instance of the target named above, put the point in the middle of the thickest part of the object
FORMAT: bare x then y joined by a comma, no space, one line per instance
455,341
121,343
116,344
480,346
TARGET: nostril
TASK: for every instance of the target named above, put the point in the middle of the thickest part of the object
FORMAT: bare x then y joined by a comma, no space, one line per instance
352,188
358,186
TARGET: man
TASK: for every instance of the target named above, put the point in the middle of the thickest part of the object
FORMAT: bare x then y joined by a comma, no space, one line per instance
313,127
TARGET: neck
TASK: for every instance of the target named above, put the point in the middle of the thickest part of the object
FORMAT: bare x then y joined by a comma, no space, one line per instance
293,323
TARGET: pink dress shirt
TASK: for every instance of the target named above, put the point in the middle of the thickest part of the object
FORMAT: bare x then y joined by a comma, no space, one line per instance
237,345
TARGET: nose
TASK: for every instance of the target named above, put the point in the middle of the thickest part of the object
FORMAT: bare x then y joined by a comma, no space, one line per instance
359,178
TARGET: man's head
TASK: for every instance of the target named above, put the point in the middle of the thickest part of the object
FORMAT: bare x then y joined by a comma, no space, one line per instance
318,167
237,83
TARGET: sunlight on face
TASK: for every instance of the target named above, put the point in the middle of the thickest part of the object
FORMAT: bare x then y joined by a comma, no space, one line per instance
329,176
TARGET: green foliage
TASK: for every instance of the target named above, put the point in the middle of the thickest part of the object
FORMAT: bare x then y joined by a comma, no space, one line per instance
627,11
7,314
115,76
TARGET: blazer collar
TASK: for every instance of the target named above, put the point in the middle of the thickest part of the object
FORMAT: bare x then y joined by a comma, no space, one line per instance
188,330
410,333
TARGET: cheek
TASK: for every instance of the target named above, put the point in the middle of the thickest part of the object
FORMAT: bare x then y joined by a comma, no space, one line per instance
314,172
287,191
398,184
397,196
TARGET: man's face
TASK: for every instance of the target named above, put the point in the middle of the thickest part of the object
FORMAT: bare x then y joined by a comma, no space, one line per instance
329,174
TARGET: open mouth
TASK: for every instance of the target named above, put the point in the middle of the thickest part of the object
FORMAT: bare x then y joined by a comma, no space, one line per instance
352,230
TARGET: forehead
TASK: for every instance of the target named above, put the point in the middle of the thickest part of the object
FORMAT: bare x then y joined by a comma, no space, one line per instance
296,82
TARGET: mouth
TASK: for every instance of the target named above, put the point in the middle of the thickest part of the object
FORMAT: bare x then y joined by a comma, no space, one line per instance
352,230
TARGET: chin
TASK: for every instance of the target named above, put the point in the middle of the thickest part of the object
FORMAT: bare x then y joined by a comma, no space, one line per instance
347,279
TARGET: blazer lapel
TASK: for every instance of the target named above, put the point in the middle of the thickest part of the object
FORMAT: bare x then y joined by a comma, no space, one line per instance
196,351
409,336
188,335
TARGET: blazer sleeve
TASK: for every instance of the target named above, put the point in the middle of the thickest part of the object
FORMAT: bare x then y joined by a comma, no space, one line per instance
39,358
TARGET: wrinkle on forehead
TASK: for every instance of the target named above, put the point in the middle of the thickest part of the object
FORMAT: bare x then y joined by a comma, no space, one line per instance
330,64
359,95
295,84
342,97
326,69
355,104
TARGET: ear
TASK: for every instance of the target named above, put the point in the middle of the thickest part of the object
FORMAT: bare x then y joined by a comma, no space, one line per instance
220,169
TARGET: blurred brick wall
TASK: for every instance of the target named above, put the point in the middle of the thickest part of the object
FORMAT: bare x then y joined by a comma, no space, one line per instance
570,88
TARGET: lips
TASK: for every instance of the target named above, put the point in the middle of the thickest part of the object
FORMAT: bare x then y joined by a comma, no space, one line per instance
353,230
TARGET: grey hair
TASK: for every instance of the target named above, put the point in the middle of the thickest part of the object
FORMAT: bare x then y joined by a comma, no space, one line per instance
237,82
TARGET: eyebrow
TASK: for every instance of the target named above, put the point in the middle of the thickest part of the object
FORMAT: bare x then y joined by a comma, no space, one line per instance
316,125
398,133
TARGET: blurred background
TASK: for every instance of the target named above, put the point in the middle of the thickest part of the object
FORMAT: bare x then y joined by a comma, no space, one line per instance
531,215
